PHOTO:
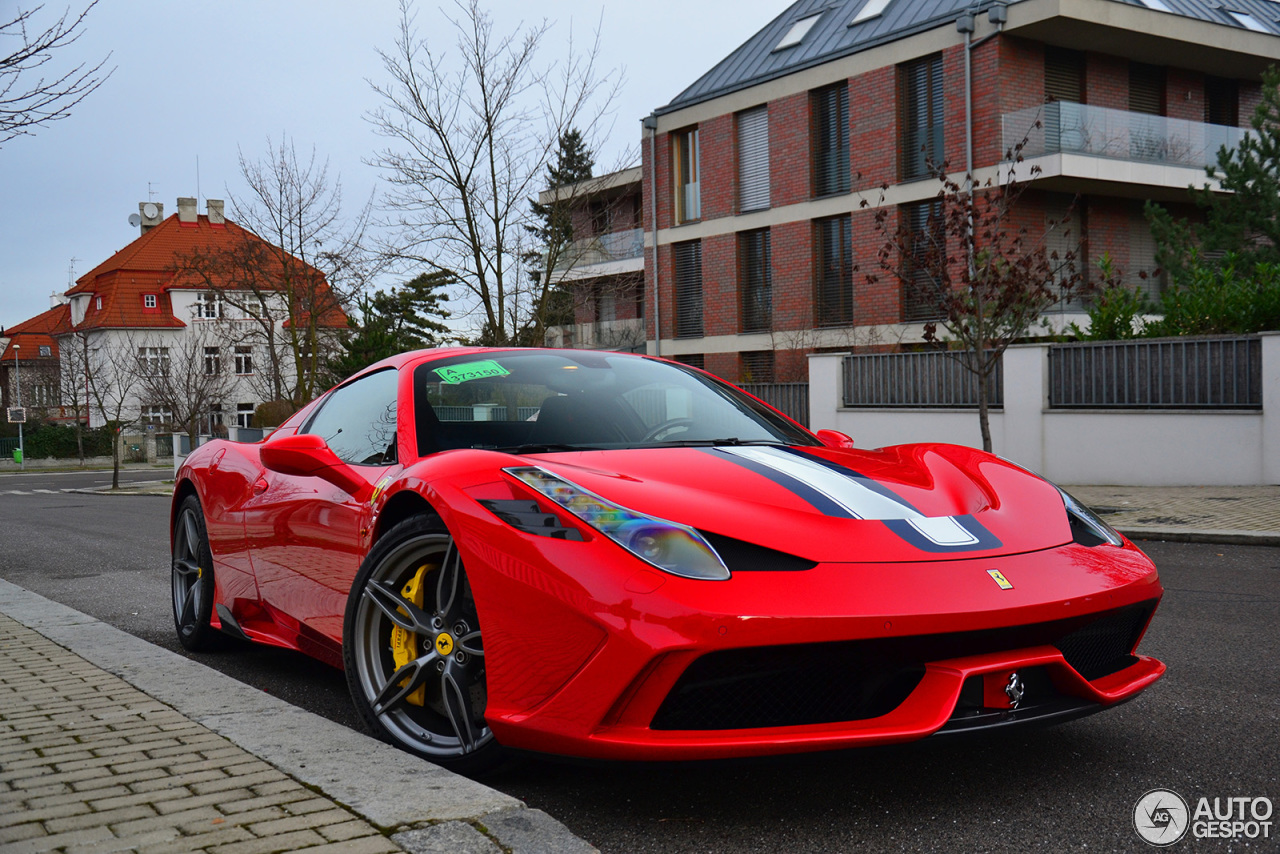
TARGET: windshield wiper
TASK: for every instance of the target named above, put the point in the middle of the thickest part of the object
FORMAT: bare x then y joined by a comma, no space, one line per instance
731,441
540,448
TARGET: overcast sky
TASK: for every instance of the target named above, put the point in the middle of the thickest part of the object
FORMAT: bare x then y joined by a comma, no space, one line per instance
196,80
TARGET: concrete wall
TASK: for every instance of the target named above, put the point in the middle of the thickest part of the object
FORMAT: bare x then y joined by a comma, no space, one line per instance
1124,447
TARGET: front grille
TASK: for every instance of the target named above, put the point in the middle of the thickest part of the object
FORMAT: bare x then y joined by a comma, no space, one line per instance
856,680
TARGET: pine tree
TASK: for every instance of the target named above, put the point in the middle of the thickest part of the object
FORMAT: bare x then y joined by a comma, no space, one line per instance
552,235
1245,221
405,318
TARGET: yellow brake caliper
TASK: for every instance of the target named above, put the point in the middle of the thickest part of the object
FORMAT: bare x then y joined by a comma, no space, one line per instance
404,644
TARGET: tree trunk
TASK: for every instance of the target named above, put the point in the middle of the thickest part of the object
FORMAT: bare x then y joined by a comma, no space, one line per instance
115,459
983,420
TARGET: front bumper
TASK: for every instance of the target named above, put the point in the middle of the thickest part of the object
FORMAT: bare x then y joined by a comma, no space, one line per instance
586,647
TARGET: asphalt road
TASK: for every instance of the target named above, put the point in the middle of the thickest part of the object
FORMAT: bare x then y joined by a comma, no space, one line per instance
1208,729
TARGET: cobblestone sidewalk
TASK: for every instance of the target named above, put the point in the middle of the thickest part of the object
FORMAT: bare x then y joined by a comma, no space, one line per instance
1240,514
91,764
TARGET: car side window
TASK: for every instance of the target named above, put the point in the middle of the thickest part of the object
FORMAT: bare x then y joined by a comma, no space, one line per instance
358,420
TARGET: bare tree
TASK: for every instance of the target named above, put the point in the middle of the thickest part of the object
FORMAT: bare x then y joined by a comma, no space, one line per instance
190,381
290,266
980,277
470,139
114,375
29,96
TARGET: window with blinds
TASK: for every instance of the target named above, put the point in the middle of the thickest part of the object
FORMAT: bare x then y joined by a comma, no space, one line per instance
920,117
830,110
753,159
756,366
755,281
1146,89
1063,75
688,281
685,169
1221,101
833,279
1064,245
1142,257
922,287
693,360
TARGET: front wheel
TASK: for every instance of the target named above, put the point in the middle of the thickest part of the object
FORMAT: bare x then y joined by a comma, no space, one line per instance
192,579
412,648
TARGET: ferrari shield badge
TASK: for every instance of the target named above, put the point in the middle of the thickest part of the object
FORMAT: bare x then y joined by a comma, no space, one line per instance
998,577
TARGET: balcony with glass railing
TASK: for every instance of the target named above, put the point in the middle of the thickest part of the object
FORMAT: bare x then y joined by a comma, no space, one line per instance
1063,127
602,249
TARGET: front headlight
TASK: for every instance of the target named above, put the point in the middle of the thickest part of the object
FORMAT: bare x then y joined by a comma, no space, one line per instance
1087,527
670,546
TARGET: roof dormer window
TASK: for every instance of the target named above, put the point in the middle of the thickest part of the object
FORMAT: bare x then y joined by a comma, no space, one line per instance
1158,5
97,303
149,301
872,9
798,31
1247,21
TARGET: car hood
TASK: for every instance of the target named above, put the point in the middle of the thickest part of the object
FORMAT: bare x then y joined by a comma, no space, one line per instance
902,503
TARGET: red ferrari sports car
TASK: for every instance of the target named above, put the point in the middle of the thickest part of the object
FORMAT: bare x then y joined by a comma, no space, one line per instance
614,556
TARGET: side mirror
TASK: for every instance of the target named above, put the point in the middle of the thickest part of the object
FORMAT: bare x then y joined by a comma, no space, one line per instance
308,455
835,439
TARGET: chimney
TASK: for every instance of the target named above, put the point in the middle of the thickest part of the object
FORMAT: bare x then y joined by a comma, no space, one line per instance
56,299
186,209
150,215
215,207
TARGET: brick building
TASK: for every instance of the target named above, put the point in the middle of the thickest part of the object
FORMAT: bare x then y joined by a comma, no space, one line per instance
770,167
603,269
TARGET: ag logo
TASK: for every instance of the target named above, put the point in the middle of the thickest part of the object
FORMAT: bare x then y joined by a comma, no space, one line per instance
1160,817
444,643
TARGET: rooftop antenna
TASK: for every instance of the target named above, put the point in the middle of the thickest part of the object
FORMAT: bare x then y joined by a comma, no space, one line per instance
71,272
197,182
151,194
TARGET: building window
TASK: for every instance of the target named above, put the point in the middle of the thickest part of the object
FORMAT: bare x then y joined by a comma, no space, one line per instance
686,170
45,394
1146,89
154,361
212,361
1063,75
1064,245
920,112
926,252
216,417
149,301
831,140
872,9
1221,101
97,302
753,159
606,305
159,416
833,252
244,415
755,281
693,360
756,367
244,360
209,306
46,350
797,32
688,289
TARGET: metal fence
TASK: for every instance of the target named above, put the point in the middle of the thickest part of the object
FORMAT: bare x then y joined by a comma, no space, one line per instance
790,398
1175,373
928,379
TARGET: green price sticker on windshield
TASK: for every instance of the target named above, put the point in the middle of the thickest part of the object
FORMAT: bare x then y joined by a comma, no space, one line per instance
486,369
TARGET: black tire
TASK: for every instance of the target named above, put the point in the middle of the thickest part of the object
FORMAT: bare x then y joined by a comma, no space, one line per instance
192,579
432,701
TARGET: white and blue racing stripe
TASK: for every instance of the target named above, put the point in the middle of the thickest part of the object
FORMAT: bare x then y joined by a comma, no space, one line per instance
837,491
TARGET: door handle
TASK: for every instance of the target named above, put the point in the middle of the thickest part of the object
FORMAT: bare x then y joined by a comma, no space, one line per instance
260,485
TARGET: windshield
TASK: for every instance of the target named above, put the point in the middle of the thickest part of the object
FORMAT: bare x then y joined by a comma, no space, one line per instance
539,401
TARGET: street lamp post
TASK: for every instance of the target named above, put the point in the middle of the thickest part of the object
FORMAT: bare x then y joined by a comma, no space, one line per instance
17,384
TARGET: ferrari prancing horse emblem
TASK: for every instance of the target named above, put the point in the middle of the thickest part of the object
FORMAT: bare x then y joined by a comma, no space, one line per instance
444,643
999,578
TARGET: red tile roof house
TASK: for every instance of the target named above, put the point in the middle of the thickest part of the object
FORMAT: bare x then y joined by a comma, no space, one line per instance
29,351
763,163
144,300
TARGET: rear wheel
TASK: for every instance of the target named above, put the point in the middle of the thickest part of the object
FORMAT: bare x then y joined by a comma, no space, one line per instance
192,579
413,651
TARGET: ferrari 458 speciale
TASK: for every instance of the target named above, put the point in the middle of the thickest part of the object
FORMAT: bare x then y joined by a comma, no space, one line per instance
614,556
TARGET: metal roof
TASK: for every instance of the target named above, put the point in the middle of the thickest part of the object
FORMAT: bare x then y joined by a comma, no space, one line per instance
834,36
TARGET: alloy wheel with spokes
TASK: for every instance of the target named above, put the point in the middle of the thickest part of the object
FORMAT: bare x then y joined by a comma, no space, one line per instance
192,579
413,650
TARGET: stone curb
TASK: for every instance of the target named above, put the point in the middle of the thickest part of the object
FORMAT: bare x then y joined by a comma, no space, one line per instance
1208,536
399,793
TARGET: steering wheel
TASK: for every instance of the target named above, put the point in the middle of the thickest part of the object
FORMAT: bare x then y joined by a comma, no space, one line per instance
666,427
